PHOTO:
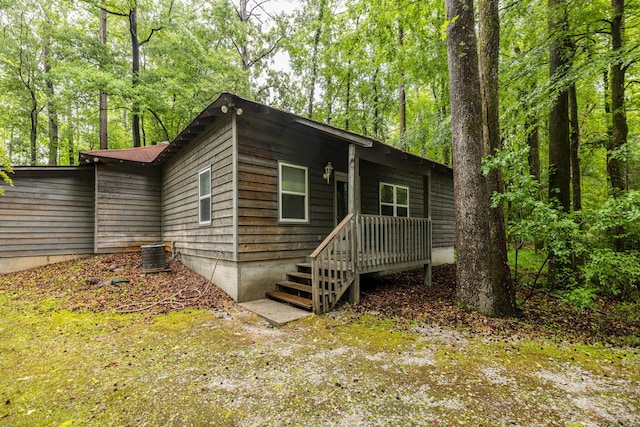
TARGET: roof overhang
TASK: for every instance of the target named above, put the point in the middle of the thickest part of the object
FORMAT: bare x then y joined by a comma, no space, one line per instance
44,168
338,133
227,104
137,155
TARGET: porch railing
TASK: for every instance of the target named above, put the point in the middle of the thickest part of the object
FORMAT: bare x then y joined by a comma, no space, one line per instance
366,244
333,265
387,242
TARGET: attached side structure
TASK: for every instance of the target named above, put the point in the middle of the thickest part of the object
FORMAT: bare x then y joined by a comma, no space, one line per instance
274,204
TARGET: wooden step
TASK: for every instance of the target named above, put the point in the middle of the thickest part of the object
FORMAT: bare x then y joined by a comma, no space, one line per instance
305,303
299,275
296,286
304,266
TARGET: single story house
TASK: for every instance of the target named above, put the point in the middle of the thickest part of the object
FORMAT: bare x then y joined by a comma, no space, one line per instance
269,202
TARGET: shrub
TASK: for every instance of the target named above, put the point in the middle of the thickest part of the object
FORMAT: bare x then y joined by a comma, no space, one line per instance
613,274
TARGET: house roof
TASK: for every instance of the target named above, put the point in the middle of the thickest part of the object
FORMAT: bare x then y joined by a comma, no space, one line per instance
228,103
138,155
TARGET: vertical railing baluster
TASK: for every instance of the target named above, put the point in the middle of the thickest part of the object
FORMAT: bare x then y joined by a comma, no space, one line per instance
407,235
374,238
394,239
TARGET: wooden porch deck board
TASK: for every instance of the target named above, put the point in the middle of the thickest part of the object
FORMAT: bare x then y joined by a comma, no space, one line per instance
365,265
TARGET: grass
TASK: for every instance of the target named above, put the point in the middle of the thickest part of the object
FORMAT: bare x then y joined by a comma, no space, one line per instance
530,261
196,367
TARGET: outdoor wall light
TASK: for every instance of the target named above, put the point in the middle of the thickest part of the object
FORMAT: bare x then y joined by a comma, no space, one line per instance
225,109
327,172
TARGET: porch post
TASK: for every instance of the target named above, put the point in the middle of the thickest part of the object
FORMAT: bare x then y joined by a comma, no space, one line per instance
354,174
426,188
354,208
427,274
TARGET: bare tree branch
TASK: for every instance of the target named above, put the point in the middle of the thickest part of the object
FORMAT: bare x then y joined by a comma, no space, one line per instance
266,53
164,129
160,28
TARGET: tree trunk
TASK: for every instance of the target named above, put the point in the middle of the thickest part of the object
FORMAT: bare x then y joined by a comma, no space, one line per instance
533,135
473,272
559,142
559,145
243,16
132,17
446,148
104,144
575,149
348,100
33,131
70,133
533,141
377,129
489,53
51,111
402,96
615,162
135,74
329,101
314,58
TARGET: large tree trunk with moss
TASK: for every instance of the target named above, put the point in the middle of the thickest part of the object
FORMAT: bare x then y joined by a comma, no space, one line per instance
575,149
616,162
474,276
559,145
489,53
559,141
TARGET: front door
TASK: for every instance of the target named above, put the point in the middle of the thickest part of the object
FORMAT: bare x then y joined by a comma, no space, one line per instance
341,202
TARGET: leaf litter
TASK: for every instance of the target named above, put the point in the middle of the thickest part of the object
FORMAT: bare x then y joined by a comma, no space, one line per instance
405,356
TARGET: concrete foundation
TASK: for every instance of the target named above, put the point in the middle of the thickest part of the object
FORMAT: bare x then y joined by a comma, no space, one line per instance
246,281
9,265
441,256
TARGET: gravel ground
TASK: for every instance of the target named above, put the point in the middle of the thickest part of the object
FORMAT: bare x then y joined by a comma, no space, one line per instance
405,356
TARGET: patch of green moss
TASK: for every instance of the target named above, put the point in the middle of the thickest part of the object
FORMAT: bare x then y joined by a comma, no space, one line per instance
195,368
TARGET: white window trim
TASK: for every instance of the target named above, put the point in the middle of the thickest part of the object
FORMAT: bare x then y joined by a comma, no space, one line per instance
395,205
201,197
305,194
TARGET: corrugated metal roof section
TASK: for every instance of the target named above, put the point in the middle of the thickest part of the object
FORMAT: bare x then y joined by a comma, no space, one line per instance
139,154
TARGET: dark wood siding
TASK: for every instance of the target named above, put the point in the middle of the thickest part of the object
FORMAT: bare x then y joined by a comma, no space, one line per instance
372,174
47,212
127,207
261,145
442,210
180,195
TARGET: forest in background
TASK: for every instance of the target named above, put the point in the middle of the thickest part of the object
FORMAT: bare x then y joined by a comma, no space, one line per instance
108,73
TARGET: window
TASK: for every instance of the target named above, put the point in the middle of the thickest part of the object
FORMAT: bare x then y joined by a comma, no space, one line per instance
294,193
394,200
204,196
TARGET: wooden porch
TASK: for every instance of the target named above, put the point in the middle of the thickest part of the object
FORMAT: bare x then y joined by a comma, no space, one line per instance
360,244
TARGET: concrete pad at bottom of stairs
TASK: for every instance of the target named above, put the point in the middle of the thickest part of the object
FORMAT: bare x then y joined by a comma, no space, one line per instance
275,312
